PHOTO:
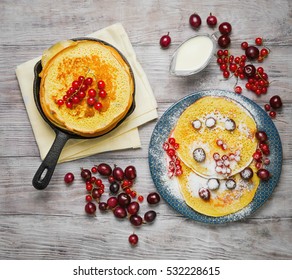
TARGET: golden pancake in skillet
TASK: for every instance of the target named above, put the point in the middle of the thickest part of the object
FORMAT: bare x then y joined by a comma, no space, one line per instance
65,63
216,137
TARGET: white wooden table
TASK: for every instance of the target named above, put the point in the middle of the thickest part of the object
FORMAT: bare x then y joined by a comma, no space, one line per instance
51,224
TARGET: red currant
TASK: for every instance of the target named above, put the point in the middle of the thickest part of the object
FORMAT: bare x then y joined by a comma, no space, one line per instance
88,81
259,41
91,92
211,20
238,89
91,101
98,106
272,114
244,45
101,84
102,93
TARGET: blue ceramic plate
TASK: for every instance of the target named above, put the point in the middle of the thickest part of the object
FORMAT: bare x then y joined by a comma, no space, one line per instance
168,188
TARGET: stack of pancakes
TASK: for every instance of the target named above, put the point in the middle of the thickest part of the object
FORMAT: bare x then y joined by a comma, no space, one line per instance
200,126
68,60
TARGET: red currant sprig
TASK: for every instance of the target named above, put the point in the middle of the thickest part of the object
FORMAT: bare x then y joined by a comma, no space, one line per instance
174,165
78,91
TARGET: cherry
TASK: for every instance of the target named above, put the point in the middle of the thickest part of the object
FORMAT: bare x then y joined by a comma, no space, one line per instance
276,102
261,136
165,41
133,207
204,193
114,187
136,220
263,174
124,199
195,21
249,70
224,41
69,178
133,239
120,212
90,208
130,172
118,173
225,28
153,198
211,20
85,174
252,52
112,202
149,216
102,206
104,169
95,193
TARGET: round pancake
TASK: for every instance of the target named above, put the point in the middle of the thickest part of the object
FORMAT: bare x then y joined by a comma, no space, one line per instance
239,141
222,201
93,59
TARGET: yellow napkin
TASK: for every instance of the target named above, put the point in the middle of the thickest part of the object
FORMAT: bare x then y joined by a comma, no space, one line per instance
125,136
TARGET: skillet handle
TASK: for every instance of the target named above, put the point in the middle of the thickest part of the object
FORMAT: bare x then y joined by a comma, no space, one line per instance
44,174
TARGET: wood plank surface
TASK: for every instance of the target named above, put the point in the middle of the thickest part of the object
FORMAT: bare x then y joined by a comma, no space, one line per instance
51,224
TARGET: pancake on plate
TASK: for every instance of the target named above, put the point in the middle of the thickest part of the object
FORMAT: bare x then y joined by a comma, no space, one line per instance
65,63
226,196
216,137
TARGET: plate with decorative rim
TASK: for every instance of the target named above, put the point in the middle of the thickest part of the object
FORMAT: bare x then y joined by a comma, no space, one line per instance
168,188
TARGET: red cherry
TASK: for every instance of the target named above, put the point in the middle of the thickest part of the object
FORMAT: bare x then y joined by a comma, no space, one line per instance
225,28
224,41
263,174
276,102
165,41
211,20
69,178
261,136
195,21
130,172
252,52
133,239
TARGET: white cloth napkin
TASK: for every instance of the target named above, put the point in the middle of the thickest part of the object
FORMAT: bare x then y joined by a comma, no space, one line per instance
125,136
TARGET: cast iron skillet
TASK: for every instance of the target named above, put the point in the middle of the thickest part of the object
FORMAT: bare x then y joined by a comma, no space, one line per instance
43,175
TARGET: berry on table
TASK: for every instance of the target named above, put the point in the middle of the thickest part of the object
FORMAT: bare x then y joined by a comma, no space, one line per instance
225,28
69,178
165,41
133,239
195,20
211,20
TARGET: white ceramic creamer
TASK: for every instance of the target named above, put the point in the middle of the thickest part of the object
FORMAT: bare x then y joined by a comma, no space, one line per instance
192,56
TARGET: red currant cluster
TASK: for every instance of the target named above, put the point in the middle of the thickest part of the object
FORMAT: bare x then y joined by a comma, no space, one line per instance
121,194
174,165
78,91
257,79
222,163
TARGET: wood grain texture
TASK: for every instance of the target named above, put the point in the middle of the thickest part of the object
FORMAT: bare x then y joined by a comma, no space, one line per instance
51,224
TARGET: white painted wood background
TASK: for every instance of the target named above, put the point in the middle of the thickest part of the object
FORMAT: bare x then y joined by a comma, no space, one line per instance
51,224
